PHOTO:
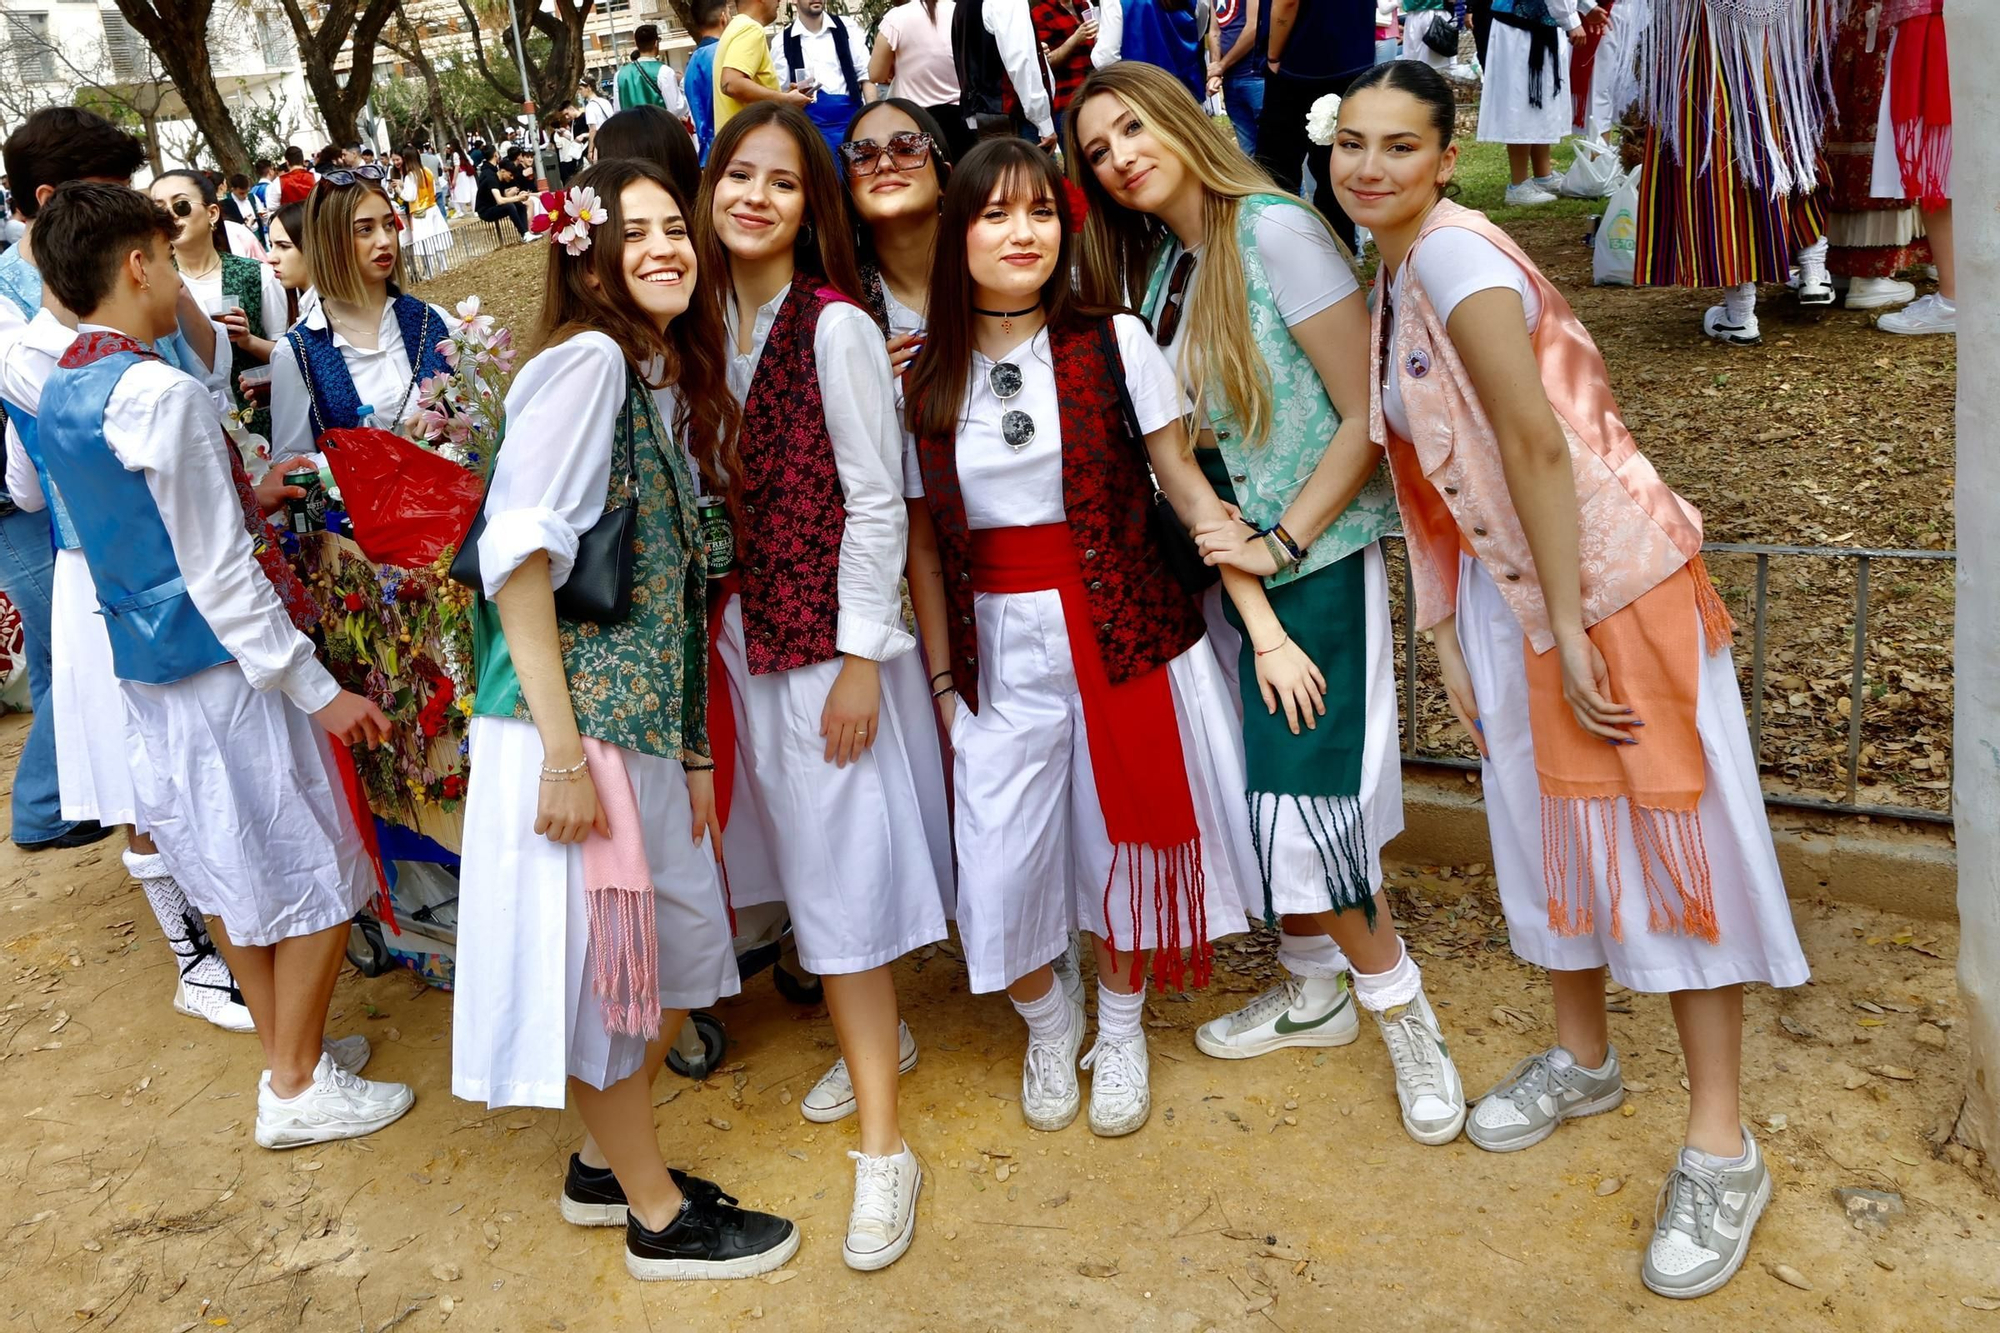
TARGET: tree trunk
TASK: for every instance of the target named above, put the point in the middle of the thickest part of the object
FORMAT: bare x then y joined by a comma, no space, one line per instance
177,31
1975,33
340,25
150,125
411,48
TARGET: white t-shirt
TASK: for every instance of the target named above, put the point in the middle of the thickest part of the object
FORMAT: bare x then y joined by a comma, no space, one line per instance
1453,263
925,71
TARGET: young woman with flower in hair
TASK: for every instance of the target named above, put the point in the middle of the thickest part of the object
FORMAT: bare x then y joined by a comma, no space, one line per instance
835,804
1096,773
1254,302
1584,648
593,917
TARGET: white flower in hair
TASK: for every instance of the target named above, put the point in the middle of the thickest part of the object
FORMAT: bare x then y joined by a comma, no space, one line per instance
1322,119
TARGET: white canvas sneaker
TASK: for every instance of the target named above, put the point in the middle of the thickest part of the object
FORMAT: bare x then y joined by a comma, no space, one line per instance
1427,1083
1927,314
1298,1011
884,1218
1050,1093
1527,194
1879,293
337,1105
832,1098
1121,1089
207,991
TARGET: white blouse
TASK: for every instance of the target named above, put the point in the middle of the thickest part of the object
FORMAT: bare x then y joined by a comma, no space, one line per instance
276,309
381,378
1452,263
859,398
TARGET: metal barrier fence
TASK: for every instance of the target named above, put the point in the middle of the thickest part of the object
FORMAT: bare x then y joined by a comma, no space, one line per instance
470,239
1863,559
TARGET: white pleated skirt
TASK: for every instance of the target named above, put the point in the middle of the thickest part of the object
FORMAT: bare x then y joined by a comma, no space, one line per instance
1033,854
861,855
430,233
1505,114
94,743
1298,868
524,1014
1758,940
239,789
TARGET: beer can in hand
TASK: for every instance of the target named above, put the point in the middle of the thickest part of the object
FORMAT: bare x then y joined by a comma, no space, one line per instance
305,513
718,539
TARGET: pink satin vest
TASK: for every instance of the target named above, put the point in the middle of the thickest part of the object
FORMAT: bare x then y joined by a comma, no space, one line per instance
1634,531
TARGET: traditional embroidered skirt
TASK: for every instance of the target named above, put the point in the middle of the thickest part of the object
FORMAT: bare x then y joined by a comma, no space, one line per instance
861,855
524,1016
1756,938
1871,237
1888,178
1507,113
94,743
239,789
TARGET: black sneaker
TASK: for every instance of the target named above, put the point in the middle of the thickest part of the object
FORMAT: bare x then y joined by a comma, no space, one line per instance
81,834
592,1197
709,1240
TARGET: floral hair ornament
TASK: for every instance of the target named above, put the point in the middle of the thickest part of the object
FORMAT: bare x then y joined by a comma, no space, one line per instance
570,216
1323,119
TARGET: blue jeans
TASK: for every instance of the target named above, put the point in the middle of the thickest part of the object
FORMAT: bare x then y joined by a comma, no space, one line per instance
1243,99
27,574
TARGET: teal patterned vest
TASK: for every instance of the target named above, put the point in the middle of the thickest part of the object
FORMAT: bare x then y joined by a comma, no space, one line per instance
641,683
244,279
1269,476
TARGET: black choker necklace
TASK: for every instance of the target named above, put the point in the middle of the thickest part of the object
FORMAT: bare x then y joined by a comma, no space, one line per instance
1007,317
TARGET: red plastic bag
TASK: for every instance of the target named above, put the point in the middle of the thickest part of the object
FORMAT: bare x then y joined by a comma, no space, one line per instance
406,503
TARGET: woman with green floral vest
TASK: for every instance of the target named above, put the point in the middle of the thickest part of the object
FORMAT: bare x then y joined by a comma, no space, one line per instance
1258,309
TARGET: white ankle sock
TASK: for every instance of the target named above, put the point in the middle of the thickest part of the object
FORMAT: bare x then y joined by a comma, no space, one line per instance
1740,303
1118,1015
1812,254
1314,957
1047,1018
1379,991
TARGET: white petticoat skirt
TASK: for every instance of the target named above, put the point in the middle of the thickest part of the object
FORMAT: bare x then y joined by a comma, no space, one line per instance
1505,115
524,1013
94,744
1758,940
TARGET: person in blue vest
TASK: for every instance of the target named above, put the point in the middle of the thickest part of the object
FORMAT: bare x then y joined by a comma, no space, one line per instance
710,18
826,57
225,698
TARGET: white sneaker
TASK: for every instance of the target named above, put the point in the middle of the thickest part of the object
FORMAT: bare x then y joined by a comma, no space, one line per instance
350,1053
337,1106
885,1209
1876,293
1427,1083
1298,1011
832,1098
1717,326
1549,184
1927,314
1814,288
1069,970
1527,194
1121,1089
208,991
1050,1094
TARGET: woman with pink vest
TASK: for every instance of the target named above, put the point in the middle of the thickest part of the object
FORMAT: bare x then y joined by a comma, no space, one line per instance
1583,646
823,737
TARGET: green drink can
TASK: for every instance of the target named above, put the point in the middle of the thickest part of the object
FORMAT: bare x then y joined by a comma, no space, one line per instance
718,539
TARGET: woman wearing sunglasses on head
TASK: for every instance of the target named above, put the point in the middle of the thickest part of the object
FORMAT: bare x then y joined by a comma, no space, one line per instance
1256,306
1095,772
836,803
361,350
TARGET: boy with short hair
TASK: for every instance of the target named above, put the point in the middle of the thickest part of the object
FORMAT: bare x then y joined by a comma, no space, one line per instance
221,688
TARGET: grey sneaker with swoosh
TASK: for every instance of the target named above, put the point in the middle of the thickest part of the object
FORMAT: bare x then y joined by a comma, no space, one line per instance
1706,1211
1298,1011
1543,1091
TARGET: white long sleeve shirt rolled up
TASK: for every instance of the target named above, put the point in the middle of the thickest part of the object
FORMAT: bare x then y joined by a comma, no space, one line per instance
1013,29
859,399
161,423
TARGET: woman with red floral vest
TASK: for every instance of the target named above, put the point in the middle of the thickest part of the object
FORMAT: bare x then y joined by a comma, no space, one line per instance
838,809
1583,646
1098,781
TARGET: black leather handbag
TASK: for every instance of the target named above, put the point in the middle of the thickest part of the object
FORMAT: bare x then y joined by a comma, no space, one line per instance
1170,536
599,587
1444,32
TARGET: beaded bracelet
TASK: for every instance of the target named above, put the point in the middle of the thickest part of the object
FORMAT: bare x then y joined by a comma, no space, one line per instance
570,774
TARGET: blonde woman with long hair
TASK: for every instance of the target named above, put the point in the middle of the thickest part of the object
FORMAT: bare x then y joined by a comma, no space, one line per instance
1258,309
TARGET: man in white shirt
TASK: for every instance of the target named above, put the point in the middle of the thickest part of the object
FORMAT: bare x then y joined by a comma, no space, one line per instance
825,56
994,45
597,109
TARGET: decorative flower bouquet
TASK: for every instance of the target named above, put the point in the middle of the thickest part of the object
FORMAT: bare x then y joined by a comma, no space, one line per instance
458,412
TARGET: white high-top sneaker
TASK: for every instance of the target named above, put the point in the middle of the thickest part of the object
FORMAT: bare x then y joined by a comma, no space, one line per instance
1121,1090
1427,1083
1050,1093
1298,1011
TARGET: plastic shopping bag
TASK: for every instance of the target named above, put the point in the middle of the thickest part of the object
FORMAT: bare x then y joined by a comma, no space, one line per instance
1617,241
406,503
1594,172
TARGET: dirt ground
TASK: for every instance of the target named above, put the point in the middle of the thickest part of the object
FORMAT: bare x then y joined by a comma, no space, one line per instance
1276,1193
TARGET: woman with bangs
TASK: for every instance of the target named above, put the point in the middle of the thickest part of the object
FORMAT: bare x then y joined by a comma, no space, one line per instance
1254,302
360,350
1096,774
593,917
837,807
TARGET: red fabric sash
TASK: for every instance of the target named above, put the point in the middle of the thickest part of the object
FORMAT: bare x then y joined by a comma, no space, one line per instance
1135,756
722,722
1920,109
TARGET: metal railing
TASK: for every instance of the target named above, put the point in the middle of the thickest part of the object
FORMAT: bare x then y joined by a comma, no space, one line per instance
470,239
1863,559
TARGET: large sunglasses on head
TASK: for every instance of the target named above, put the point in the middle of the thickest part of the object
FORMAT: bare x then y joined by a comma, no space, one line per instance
349,175
906,150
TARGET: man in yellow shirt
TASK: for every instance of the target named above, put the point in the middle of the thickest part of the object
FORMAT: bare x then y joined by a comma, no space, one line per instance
743,69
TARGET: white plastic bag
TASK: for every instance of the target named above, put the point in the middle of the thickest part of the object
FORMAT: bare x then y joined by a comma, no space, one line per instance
1617,241
1594,171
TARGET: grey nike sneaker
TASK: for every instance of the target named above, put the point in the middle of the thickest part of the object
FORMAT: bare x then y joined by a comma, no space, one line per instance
1703,1220
1298,1011
1543,1091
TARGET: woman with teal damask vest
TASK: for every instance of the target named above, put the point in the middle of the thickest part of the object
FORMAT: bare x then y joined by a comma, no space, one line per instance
592,915
1260,313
